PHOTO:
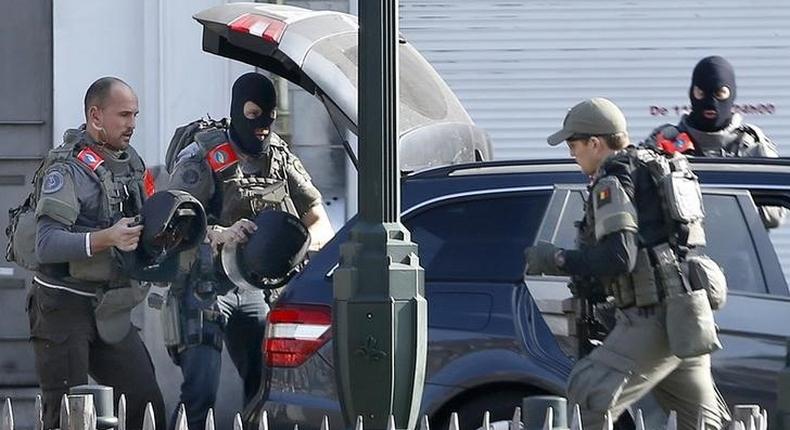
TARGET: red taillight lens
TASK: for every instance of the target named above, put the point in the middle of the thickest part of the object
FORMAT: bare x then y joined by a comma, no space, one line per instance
295,332
266,28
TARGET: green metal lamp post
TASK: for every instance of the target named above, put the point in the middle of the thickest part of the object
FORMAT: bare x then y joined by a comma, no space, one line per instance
380,313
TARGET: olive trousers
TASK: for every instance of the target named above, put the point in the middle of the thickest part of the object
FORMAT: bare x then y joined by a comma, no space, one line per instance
635,359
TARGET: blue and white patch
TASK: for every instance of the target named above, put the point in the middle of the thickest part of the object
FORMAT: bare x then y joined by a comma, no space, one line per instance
52,182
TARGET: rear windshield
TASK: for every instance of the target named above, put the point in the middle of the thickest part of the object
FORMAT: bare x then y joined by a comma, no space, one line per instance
425,98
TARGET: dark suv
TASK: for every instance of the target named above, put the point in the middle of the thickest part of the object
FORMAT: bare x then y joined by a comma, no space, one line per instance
494,336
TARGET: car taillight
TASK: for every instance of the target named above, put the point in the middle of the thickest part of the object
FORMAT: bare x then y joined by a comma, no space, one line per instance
266,28
295,332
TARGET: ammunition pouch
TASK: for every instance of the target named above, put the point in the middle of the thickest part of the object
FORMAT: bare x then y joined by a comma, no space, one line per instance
21,233
705,274
646,288
684,198
690,327
691,330
102,267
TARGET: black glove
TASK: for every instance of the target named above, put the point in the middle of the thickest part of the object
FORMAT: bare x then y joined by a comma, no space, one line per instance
540,259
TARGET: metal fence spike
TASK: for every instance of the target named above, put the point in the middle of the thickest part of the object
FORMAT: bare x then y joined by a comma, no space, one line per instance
64,412
764,420
487,420
7,419
608,424
325,423
210,424
82,414
548,424
640,420
515,423
181,418
237,425
752,424
38,414
391,423
454,422
576,419
672,421
263,420
122,412
424,424
359,425
149,421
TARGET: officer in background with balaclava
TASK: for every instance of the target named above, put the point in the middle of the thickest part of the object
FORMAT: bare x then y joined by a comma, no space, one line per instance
235,173
712,129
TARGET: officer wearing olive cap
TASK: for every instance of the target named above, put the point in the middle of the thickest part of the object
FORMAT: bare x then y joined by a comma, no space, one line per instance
712,129
236,173
80,300
623,230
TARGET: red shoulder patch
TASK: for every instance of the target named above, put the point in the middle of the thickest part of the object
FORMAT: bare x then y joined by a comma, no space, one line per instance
148,183
90,158
681,143
222,157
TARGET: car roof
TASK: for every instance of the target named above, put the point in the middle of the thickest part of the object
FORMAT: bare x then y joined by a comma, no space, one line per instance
521,175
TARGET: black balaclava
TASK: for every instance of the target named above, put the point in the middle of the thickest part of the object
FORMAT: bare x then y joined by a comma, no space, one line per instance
256,88
710,74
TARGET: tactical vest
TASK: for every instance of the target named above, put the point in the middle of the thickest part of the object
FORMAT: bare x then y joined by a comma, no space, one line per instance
122,190
736,140
658,266
242,195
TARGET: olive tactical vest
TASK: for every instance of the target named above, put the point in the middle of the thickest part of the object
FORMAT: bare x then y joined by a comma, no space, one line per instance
122,194
239,194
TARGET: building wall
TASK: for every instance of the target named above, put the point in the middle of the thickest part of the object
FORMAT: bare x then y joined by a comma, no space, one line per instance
517,66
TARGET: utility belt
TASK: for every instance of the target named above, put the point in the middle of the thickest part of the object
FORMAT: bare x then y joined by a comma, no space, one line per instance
659,274
689,290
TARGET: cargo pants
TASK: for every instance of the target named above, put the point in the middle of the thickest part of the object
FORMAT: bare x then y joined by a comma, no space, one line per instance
245,312
68,350
635,359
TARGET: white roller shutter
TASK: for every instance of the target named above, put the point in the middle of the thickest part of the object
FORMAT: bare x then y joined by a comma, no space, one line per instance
518,65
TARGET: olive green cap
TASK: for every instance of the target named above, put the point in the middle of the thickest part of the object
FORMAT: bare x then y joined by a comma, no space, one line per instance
593,117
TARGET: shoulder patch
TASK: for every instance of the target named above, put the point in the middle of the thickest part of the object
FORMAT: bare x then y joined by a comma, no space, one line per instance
190,176
90,158
52,182
603,196
221,157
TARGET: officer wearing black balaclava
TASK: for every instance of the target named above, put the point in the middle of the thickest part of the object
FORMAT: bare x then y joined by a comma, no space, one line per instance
236,173
712,94
251,135
712,128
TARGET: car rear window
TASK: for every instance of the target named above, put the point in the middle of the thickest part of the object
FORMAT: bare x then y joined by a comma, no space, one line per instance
477,239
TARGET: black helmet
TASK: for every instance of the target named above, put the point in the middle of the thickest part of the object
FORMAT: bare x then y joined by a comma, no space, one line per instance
173,221
267,259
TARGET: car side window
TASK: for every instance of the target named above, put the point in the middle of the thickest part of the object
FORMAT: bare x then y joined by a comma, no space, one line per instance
477,239
730,244
571,214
